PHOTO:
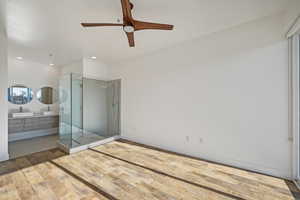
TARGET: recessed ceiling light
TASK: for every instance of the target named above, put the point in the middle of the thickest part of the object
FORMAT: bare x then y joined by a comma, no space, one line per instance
94,57
51,64
19,58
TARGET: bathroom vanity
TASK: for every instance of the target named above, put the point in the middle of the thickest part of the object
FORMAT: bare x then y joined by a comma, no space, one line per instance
24,123
20,128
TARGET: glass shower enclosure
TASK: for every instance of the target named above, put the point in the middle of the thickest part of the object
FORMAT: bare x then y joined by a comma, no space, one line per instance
89,110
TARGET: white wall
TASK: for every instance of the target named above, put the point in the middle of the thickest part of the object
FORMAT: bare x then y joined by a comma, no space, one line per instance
75,67
223,97
94,69
34,76
3,86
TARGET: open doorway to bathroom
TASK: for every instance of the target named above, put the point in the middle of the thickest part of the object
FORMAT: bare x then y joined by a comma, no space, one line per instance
89,112
32,120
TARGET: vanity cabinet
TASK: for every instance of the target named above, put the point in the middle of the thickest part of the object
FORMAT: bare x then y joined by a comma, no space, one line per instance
29,127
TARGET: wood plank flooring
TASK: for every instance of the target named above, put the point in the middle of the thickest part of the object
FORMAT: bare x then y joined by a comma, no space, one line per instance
125,171
237,182
35,178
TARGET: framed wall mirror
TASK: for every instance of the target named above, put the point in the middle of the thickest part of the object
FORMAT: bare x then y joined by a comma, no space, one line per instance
47,95
20,94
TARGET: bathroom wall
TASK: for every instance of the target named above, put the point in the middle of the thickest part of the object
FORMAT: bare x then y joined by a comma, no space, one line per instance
95,106
113,107
35,76
101,110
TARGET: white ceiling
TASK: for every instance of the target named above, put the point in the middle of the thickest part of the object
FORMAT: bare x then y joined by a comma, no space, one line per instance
38,27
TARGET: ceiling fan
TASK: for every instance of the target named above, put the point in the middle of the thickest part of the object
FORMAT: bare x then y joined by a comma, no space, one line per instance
131,25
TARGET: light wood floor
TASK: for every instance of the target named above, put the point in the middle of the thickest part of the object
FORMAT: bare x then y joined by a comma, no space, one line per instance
126,171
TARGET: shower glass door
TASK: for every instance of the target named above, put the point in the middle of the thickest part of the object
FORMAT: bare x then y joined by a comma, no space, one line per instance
65,111
76,104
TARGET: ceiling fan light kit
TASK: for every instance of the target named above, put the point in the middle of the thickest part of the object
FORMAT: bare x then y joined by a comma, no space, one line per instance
131,25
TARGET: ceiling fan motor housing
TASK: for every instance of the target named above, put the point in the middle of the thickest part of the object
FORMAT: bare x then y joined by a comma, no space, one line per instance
128,29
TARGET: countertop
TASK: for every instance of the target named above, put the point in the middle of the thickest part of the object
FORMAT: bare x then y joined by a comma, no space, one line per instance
34,116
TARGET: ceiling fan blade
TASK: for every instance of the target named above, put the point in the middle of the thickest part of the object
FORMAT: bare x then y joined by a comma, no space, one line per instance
99,24
130,37
138,25
126,8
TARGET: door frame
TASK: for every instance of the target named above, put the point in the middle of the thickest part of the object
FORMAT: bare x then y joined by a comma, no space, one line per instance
294,92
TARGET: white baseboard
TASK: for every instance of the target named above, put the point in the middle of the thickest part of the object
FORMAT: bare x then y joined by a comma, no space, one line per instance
4,157
227,161
31,134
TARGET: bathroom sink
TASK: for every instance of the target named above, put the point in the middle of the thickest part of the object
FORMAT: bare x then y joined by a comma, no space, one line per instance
47,113
23,114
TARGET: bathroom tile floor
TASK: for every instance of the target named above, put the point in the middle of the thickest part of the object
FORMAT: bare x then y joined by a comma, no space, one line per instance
86,137
25,147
